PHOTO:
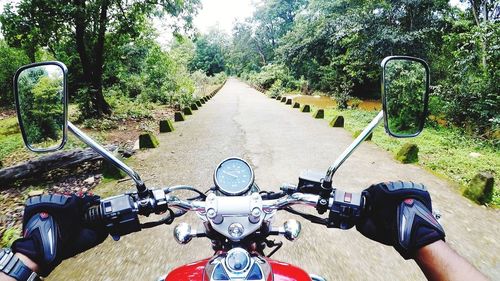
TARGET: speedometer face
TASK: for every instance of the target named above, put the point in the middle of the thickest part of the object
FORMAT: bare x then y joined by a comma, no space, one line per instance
233,176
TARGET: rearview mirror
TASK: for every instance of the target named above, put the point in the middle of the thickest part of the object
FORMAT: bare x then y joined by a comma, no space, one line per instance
405,95
41,103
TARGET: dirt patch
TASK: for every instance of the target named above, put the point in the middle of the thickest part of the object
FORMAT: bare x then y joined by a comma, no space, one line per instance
127,131
7,113
125,134
12,199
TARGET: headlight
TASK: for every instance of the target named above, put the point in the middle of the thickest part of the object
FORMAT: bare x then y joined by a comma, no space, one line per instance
237,260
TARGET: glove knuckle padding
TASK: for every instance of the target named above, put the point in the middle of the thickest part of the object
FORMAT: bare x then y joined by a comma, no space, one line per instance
41,242
383,194
53,229
416,227
52,204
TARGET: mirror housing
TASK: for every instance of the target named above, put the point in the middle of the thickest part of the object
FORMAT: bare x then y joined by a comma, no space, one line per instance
405,95
41,97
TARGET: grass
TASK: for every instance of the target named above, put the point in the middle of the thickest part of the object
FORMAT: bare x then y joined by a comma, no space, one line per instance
443,150
10,137
9,236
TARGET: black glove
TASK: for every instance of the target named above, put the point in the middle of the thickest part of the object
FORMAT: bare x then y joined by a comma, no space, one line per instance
53,229
399,214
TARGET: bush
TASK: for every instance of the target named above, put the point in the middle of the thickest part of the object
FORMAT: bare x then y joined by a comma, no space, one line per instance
219,78
124,108
354,103
269,74
342,95
276,89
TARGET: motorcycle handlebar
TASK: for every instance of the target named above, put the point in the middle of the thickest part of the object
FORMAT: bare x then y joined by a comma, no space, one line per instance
119,214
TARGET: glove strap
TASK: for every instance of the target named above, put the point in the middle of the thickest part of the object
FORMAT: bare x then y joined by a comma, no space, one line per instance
15,268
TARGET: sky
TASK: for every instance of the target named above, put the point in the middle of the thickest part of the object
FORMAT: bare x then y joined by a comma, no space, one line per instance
223,13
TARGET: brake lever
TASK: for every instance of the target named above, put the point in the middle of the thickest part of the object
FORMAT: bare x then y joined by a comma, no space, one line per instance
165,220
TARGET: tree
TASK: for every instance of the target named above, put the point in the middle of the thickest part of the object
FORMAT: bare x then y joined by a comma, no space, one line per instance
85,23
338,45
484,12
10,60
210,52
245,54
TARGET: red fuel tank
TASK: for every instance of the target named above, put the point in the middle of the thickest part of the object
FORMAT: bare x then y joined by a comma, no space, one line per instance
195,271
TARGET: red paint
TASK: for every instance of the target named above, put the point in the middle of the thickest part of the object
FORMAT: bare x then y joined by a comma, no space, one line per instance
286,272
347,197
189,272
409,201
194,272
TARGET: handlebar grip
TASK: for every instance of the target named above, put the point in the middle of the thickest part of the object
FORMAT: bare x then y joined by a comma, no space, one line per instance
93,215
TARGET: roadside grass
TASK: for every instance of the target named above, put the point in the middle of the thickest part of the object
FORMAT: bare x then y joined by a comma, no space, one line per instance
10,138
445,151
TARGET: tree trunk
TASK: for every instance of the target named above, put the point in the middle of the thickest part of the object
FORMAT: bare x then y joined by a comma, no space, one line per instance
92,69
42,168
101,104
476,10
80,26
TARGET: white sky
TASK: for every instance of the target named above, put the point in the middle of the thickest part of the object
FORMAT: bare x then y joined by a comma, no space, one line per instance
220,13
223,13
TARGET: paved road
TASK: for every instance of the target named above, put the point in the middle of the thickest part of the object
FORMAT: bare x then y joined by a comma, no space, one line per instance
280,142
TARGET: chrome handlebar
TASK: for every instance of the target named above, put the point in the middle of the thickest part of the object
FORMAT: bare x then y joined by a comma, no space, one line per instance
267,205
120,213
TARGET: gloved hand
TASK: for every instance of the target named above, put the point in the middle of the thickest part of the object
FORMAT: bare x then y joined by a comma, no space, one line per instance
53,229
399,214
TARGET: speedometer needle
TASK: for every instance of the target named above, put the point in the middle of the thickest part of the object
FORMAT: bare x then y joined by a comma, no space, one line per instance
229,174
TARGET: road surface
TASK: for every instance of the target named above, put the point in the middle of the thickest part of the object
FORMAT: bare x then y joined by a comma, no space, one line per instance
280,142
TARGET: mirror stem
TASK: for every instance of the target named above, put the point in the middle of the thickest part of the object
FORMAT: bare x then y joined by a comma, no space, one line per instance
327,182
141,187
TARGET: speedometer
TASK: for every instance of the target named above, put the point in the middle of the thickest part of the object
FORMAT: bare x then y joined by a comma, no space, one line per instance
233,176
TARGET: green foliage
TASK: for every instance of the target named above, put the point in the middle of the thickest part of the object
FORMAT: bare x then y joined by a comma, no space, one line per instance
354,103
404,90
270,74
9,236
87,34
276,89
342,95
336,47
468,91
10,137
40,105
210,53
10,60
256,39
445,151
